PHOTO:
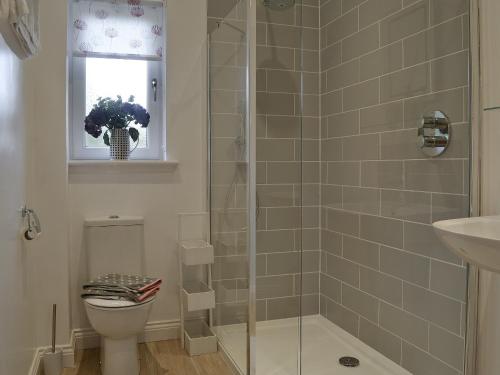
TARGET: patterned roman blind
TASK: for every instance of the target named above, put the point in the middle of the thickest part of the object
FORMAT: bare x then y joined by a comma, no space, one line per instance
118,28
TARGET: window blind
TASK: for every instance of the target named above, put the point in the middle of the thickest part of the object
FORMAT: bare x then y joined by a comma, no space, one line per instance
118,28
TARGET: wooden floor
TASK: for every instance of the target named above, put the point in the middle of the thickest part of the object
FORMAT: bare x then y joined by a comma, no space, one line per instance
158,358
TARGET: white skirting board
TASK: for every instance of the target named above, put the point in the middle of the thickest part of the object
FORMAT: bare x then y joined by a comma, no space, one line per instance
68,358
86,338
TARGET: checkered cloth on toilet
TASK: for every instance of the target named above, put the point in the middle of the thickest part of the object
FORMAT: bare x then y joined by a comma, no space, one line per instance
122,287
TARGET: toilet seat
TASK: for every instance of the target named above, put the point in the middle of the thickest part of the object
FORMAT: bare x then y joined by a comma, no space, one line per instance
115,304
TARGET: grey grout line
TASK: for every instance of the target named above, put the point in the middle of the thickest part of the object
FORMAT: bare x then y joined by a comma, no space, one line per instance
396,277
402,69
391,304
432,355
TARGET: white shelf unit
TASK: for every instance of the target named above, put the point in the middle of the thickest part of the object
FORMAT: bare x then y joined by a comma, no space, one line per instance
199,338
196,252
196,294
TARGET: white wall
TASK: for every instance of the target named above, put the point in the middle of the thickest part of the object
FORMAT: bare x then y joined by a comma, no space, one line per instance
16,336
53,265
156,197
49,188
489,298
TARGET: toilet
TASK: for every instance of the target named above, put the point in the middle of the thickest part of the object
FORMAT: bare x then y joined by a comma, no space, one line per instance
116,245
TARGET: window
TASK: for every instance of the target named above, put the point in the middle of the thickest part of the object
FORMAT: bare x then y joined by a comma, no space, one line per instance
117,50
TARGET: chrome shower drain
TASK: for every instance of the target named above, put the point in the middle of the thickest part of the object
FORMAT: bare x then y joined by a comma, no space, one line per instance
349,361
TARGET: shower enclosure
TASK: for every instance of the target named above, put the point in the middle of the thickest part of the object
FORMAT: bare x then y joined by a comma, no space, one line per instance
321,195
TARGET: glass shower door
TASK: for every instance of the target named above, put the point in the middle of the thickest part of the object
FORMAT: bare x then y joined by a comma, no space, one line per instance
279,154
275,137
228,159
348,271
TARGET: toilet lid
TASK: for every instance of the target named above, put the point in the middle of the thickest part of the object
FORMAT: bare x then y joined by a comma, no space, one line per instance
109,303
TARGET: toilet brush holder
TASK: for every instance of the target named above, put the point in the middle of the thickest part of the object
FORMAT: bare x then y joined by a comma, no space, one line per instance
52,362
52,358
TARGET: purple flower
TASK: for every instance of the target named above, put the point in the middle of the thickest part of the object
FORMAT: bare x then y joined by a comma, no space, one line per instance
141,115
98,116
116,114
91,128
128,108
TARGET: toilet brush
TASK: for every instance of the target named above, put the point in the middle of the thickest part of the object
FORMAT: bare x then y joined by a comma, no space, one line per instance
52,359
54,319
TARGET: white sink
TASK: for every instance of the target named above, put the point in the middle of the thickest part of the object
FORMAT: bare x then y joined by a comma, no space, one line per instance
476,239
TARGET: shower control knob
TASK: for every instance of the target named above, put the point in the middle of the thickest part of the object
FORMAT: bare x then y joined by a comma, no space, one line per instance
435,122
433,135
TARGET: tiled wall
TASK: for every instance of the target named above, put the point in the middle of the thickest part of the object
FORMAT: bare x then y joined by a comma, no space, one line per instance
280,150
385,278
372,68
286,205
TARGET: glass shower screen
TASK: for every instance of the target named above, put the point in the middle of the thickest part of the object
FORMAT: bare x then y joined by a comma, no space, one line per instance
229,168
322,200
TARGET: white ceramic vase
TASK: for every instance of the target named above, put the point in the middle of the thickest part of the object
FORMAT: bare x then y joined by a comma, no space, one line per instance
119,144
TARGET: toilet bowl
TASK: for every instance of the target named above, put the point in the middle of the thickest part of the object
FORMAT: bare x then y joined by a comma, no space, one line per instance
115,244
118,323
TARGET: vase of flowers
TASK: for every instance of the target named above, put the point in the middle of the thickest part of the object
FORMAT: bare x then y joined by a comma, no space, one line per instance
116,117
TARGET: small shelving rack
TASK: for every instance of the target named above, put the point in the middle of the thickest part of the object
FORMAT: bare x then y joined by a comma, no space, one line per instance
195,254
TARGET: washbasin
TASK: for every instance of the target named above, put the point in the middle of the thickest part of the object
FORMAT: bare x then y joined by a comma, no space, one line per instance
475,239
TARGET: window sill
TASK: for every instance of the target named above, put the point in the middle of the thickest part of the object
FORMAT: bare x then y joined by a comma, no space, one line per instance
83,167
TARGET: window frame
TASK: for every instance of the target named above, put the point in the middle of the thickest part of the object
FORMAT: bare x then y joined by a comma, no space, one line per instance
156,130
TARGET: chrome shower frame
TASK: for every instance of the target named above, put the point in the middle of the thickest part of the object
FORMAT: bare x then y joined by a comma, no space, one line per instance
474,167
474,183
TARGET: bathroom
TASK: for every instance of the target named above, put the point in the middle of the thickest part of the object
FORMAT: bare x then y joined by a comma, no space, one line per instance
295,156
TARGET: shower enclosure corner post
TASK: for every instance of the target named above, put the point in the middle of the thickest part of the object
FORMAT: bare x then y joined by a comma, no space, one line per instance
251,137
475,181
209,165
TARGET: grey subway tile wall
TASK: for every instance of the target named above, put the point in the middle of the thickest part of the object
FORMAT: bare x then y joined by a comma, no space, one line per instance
289,191
384,276
344,194
288,132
